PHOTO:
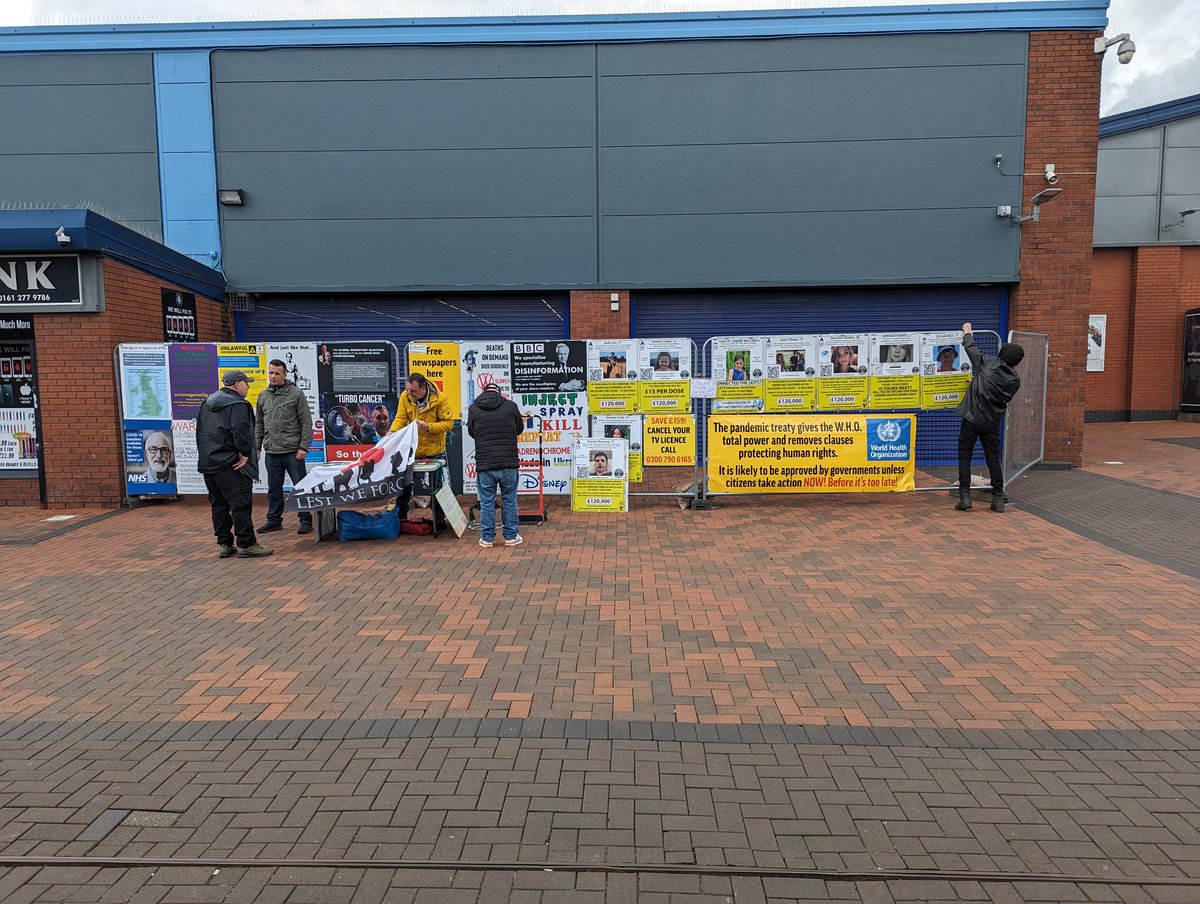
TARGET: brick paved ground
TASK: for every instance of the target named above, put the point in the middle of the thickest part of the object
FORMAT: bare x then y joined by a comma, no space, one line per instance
824,683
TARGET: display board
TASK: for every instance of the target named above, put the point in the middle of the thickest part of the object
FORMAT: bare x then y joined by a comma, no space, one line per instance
945,370
351,384
18,395
624,428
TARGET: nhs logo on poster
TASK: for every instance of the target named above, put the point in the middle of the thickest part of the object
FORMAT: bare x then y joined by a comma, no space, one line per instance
889,439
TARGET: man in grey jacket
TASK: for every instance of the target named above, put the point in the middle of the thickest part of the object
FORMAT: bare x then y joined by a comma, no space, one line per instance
283,426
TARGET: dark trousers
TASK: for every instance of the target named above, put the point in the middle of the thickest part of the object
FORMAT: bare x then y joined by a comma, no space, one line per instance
278,464
232,496
968,433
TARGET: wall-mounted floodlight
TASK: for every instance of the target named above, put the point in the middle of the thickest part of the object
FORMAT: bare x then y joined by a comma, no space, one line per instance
1183,215
1046,194
1124,52
231,197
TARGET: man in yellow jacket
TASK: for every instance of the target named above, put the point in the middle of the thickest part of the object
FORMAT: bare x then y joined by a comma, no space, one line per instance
422,403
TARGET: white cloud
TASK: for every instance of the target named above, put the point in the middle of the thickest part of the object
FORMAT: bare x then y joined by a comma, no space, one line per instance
1167,62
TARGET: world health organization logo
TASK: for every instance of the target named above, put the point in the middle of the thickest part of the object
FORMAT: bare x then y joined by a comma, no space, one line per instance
889,431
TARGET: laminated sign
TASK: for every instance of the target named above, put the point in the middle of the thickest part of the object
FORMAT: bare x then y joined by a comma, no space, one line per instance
781,453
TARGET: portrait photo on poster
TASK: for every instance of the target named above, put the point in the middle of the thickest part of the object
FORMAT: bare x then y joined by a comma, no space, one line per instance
665,359
843,355
790,357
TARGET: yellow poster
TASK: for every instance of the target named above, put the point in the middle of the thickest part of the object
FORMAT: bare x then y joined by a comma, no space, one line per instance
790,394
670,440
664,396
597,495
439,362
848,391
249,358
892,392
612,397
816,453
943,390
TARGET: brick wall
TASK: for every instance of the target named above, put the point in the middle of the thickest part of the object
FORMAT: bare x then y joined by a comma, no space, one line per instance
82,442
1145,292
1056,253
592,316
1112,295
19,491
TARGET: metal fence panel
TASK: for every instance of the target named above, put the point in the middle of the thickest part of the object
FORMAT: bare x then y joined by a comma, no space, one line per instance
1025,425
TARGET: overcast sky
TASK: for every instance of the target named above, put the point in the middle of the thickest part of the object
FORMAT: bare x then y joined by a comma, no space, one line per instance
1167,32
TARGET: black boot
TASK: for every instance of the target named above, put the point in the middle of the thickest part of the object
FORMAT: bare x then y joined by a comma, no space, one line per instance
997,502
964,500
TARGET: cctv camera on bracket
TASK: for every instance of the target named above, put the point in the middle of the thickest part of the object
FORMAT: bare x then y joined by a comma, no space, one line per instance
61,236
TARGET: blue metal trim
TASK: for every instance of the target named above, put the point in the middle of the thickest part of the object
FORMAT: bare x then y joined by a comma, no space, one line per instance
186,154
1010,16
1005,292
1154,115
33,231
567,317
239,326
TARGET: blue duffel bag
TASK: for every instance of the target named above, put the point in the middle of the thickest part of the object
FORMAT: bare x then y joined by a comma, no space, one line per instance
354,525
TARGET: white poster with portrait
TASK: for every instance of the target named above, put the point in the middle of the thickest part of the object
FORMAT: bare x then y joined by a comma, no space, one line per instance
612,359
1097,336
666,359
737,363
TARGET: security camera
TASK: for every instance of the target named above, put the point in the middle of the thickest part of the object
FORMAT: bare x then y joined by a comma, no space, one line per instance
1051,176
1125,51
62,237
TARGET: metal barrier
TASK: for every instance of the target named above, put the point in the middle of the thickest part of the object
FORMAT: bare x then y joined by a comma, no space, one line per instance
696,472
1025,425
937,432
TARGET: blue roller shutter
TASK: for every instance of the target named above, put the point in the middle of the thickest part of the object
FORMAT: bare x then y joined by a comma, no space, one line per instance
750,312
406,318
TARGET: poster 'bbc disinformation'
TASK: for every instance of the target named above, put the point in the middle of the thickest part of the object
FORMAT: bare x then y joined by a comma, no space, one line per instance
350,388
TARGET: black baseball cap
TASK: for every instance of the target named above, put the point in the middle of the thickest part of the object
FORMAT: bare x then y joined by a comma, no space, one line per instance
234,376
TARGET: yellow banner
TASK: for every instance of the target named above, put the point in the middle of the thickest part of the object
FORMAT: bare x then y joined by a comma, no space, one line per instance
635,467
251,359
663,396
790,394
944,390
596,494
612,396
439,362
896,391
670,440
781,453
849,391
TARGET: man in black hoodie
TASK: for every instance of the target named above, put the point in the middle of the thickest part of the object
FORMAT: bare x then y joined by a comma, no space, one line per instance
227,459
982,409
495,422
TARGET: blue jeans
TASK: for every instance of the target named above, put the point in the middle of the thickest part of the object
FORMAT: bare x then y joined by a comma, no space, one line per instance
277,464
487,482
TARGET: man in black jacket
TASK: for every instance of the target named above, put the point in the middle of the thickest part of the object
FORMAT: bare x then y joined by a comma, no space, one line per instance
982,409
495,422
225,444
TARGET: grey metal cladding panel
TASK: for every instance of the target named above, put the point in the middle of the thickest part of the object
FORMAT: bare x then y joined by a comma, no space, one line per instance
23,70
1127,171
809,249
859,52
1184,134
387,63
413,184
79,119
304,255
859,175
468,113
1142,138
1126,220
126,184
1181,171
947,102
